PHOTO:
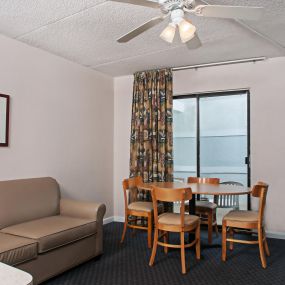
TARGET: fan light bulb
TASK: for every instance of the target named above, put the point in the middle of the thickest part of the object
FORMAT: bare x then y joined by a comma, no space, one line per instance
168,33
186,31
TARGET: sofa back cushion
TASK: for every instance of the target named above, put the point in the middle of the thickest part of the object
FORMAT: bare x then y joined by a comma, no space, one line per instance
28,199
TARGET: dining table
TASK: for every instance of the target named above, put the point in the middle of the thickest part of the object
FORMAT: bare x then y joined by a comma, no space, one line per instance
199,189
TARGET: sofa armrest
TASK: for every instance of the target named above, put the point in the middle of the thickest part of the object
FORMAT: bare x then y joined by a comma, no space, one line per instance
84,210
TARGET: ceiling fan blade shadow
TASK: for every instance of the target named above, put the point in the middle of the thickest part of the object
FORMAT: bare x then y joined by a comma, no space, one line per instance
144,3
229,12
141,29
194,43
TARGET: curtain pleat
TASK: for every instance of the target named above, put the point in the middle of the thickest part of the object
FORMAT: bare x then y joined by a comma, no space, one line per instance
151,149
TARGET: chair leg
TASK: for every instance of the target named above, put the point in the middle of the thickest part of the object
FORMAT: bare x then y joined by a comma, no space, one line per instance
224,241
134,230
210,227
198,239
261,247
231,236
165,240
216,225
217,230
182,244
125,229
154,248
149,230
265,244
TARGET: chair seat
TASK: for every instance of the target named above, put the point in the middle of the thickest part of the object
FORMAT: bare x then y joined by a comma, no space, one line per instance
15,250
141,206
242,216
200,205
53,232
175,219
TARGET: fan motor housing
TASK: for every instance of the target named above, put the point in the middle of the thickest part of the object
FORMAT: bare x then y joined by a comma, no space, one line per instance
170,5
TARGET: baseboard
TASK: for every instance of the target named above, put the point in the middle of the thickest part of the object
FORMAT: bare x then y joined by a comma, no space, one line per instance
119,219
277,235
108,220
113,219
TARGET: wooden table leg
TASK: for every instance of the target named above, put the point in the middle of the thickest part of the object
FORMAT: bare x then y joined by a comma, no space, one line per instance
192,205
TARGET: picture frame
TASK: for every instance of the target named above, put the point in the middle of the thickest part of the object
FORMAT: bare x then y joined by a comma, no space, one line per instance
4,120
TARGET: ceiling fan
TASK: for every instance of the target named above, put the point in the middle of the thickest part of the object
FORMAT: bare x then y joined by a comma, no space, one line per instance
176,9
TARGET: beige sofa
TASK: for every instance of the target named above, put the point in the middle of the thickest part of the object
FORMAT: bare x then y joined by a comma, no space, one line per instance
43,234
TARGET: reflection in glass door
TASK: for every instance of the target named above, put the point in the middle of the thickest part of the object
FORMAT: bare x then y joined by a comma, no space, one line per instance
185,137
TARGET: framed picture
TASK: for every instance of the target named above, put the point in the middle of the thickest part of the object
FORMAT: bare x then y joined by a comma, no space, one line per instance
4,119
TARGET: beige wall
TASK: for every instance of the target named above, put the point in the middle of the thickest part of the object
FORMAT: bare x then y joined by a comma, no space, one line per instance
123,88
66,123
61,122
266,83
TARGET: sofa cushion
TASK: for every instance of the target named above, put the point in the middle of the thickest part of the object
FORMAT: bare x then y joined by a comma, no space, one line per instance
53,232
24,200
15,250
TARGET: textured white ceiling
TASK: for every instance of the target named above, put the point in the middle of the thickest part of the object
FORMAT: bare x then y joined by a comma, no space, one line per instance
85,31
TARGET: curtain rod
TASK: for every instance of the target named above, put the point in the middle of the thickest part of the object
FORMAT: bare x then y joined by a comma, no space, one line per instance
254,59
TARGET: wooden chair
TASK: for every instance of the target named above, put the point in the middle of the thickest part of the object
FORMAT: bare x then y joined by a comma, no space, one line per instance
174,222
206,209
136,210
228,201
248,220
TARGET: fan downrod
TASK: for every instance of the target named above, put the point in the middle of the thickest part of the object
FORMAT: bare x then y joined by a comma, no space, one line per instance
170,5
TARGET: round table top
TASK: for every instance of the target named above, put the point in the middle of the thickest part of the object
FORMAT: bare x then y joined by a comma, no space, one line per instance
204,189
13,276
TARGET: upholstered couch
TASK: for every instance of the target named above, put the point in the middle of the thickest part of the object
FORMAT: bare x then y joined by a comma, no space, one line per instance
43,234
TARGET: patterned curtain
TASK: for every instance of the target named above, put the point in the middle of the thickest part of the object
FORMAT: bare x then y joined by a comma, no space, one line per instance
151,132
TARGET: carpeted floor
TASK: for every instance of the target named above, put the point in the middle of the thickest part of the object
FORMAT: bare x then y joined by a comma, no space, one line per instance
127,264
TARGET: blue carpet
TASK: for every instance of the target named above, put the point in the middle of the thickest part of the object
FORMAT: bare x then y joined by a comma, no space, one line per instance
127,264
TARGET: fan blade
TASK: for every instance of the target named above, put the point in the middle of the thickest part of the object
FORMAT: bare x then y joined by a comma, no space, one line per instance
139,30
145,3
232,12
194,43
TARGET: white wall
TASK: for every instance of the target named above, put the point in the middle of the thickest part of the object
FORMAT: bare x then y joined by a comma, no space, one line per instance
266,83
61,122
123,88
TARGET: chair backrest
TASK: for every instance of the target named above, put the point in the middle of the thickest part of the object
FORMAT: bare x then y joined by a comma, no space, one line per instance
232,183
203,180
260,191
170,195
131,185
179,179
228,201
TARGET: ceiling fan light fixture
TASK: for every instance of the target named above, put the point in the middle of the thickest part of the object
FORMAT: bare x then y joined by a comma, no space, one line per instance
186,31
168,33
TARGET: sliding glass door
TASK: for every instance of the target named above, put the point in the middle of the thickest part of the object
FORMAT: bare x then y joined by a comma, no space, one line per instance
223,137
211,137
